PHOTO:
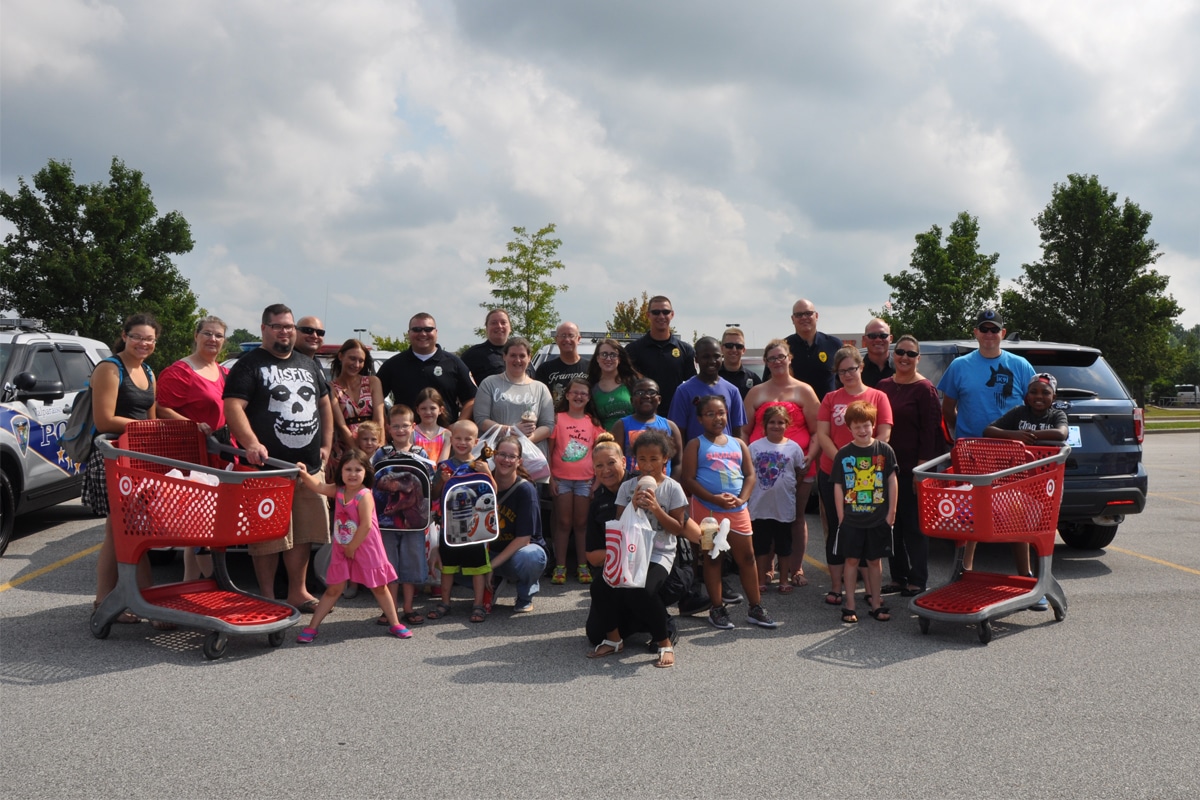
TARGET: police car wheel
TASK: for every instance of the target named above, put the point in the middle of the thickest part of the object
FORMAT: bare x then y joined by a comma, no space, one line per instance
8,512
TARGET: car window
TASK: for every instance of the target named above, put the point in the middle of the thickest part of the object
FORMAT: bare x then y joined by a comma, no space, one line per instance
5,352
76,370
43,366
1093,376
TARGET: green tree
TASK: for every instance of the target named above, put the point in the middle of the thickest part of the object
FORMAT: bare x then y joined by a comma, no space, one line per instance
630,316
235,340
947,285
392,344
521,285
1094,285
86,256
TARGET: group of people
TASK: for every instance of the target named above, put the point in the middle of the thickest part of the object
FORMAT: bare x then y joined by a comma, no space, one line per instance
733,448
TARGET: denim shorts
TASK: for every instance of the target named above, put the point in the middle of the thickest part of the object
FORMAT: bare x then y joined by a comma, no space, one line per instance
577,488
406,552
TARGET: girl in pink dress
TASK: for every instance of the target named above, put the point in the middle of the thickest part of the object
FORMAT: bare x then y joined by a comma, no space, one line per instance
357,552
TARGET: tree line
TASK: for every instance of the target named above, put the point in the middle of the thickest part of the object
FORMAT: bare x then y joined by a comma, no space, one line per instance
84,256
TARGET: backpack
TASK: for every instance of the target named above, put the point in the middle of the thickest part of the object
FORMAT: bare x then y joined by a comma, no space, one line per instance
401,493
79,436
469,510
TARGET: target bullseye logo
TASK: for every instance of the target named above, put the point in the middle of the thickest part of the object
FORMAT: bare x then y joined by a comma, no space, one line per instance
1050,488
125,485
632,547
266,508
946,507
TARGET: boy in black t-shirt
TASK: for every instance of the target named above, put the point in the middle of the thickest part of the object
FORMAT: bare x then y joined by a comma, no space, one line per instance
864,479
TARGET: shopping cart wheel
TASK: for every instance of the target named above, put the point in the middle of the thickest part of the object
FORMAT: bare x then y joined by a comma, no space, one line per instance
99,631
275,639
1059,614
985,631
214,645
924,623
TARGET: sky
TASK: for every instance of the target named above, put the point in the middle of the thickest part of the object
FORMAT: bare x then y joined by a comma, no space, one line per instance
361,160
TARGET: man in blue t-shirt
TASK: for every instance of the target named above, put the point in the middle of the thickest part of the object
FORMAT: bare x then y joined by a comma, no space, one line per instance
979,387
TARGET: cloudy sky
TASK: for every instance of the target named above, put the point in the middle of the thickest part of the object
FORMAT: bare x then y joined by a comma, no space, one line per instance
362,159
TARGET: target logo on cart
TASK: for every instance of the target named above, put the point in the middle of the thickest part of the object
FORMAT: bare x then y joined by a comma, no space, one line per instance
125,485
947,508
266,508
1050,488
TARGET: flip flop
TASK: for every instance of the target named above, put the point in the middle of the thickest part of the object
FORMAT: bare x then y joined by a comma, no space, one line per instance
786,588
308,607
798,579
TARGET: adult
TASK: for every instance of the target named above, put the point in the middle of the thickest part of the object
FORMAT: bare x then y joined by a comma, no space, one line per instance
193,388
557,372
487,357
782,389
122,391
733,348
646,398
277,405
981,387
834,434
356,396
660,354
426,364
514,399
612,376
916,438
812,351
708,382
877,365
518,553
310,336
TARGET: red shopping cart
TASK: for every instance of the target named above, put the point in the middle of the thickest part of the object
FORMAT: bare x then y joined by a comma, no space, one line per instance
149,508
994,490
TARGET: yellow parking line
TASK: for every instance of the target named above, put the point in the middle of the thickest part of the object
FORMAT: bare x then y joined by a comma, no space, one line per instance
1179,567
1173,497
37,573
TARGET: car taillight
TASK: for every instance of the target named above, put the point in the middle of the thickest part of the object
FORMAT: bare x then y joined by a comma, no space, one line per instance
1139,425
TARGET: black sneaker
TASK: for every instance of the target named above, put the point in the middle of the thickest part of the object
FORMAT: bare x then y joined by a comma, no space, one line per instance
759,616
719,618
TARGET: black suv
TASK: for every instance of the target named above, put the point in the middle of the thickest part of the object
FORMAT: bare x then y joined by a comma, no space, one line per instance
1105,479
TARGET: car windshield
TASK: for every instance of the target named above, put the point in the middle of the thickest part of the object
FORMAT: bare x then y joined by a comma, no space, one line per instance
1082,371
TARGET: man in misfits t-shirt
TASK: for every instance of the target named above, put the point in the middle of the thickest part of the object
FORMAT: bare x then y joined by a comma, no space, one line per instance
277,406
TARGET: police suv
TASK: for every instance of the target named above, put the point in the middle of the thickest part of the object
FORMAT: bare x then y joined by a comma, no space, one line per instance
40,375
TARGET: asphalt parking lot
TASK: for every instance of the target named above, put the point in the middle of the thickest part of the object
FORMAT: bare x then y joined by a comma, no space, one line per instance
1101,705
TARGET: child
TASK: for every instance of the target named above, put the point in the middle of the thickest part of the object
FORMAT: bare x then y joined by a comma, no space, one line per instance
368,437
864,497
400,427
714,472
666,506
430,433
471,559
645,417
357,546
1037,423
576,427
778,466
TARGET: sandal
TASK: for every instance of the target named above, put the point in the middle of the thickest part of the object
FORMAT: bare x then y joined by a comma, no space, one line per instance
880,614
616,647
848,616
439,611
786,588
307,635
798,578
833,598
400,632
412,618
891,588
663,652
478,614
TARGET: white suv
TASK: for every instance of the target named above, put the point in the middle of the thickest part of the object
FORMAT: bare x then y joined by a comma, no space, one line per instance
40,375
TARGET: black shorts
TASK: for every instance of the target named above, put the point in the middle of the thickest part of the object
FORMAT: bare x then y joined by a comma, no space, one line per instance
865,544
772,532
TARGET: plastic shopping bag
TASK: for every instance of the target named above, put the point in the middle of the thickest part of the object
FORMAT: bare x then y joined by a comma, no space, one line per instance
628,543
532,458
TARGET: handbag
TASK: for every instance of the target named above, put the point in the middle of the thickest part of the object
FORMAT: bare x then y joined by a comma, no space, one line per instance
628,543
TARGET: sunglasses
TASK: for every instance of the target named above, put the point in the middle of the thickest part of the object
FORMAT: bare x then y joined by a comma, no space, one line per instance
907,353
309,330
988,329
733,346
877,335
661,312
804,314
424,329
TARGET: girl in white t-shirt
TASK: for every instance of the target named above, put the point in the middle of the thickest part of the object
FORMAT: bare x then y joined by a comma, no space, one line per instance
778,464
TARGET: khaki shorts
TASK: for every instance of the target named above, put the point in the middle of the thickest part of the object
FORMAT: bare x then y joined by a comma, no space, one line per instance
310,524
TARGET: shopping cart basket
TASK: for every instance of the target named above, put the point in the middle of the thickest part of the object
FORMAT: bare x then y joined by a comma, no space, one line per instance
992,490
148,509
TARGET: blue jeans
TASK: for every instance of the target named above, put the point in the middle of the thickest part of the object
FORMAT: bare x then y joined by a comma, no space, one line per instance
523,570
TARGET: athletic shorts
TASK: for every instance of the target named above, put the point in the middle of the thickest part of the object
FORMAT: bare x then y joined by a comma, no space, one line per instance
770,533
865,544
469,559
739,521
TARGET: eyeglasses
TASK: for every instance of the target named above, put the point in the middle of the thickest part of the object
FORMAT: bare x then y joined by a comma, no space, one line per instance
877,335
505,456
990,329
211,335
713,414
733,346
607,355
309,330
906,353
568,336
661,312
422,329
578,395
646,393
847,371
777,359
280,327
803,314
142,339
